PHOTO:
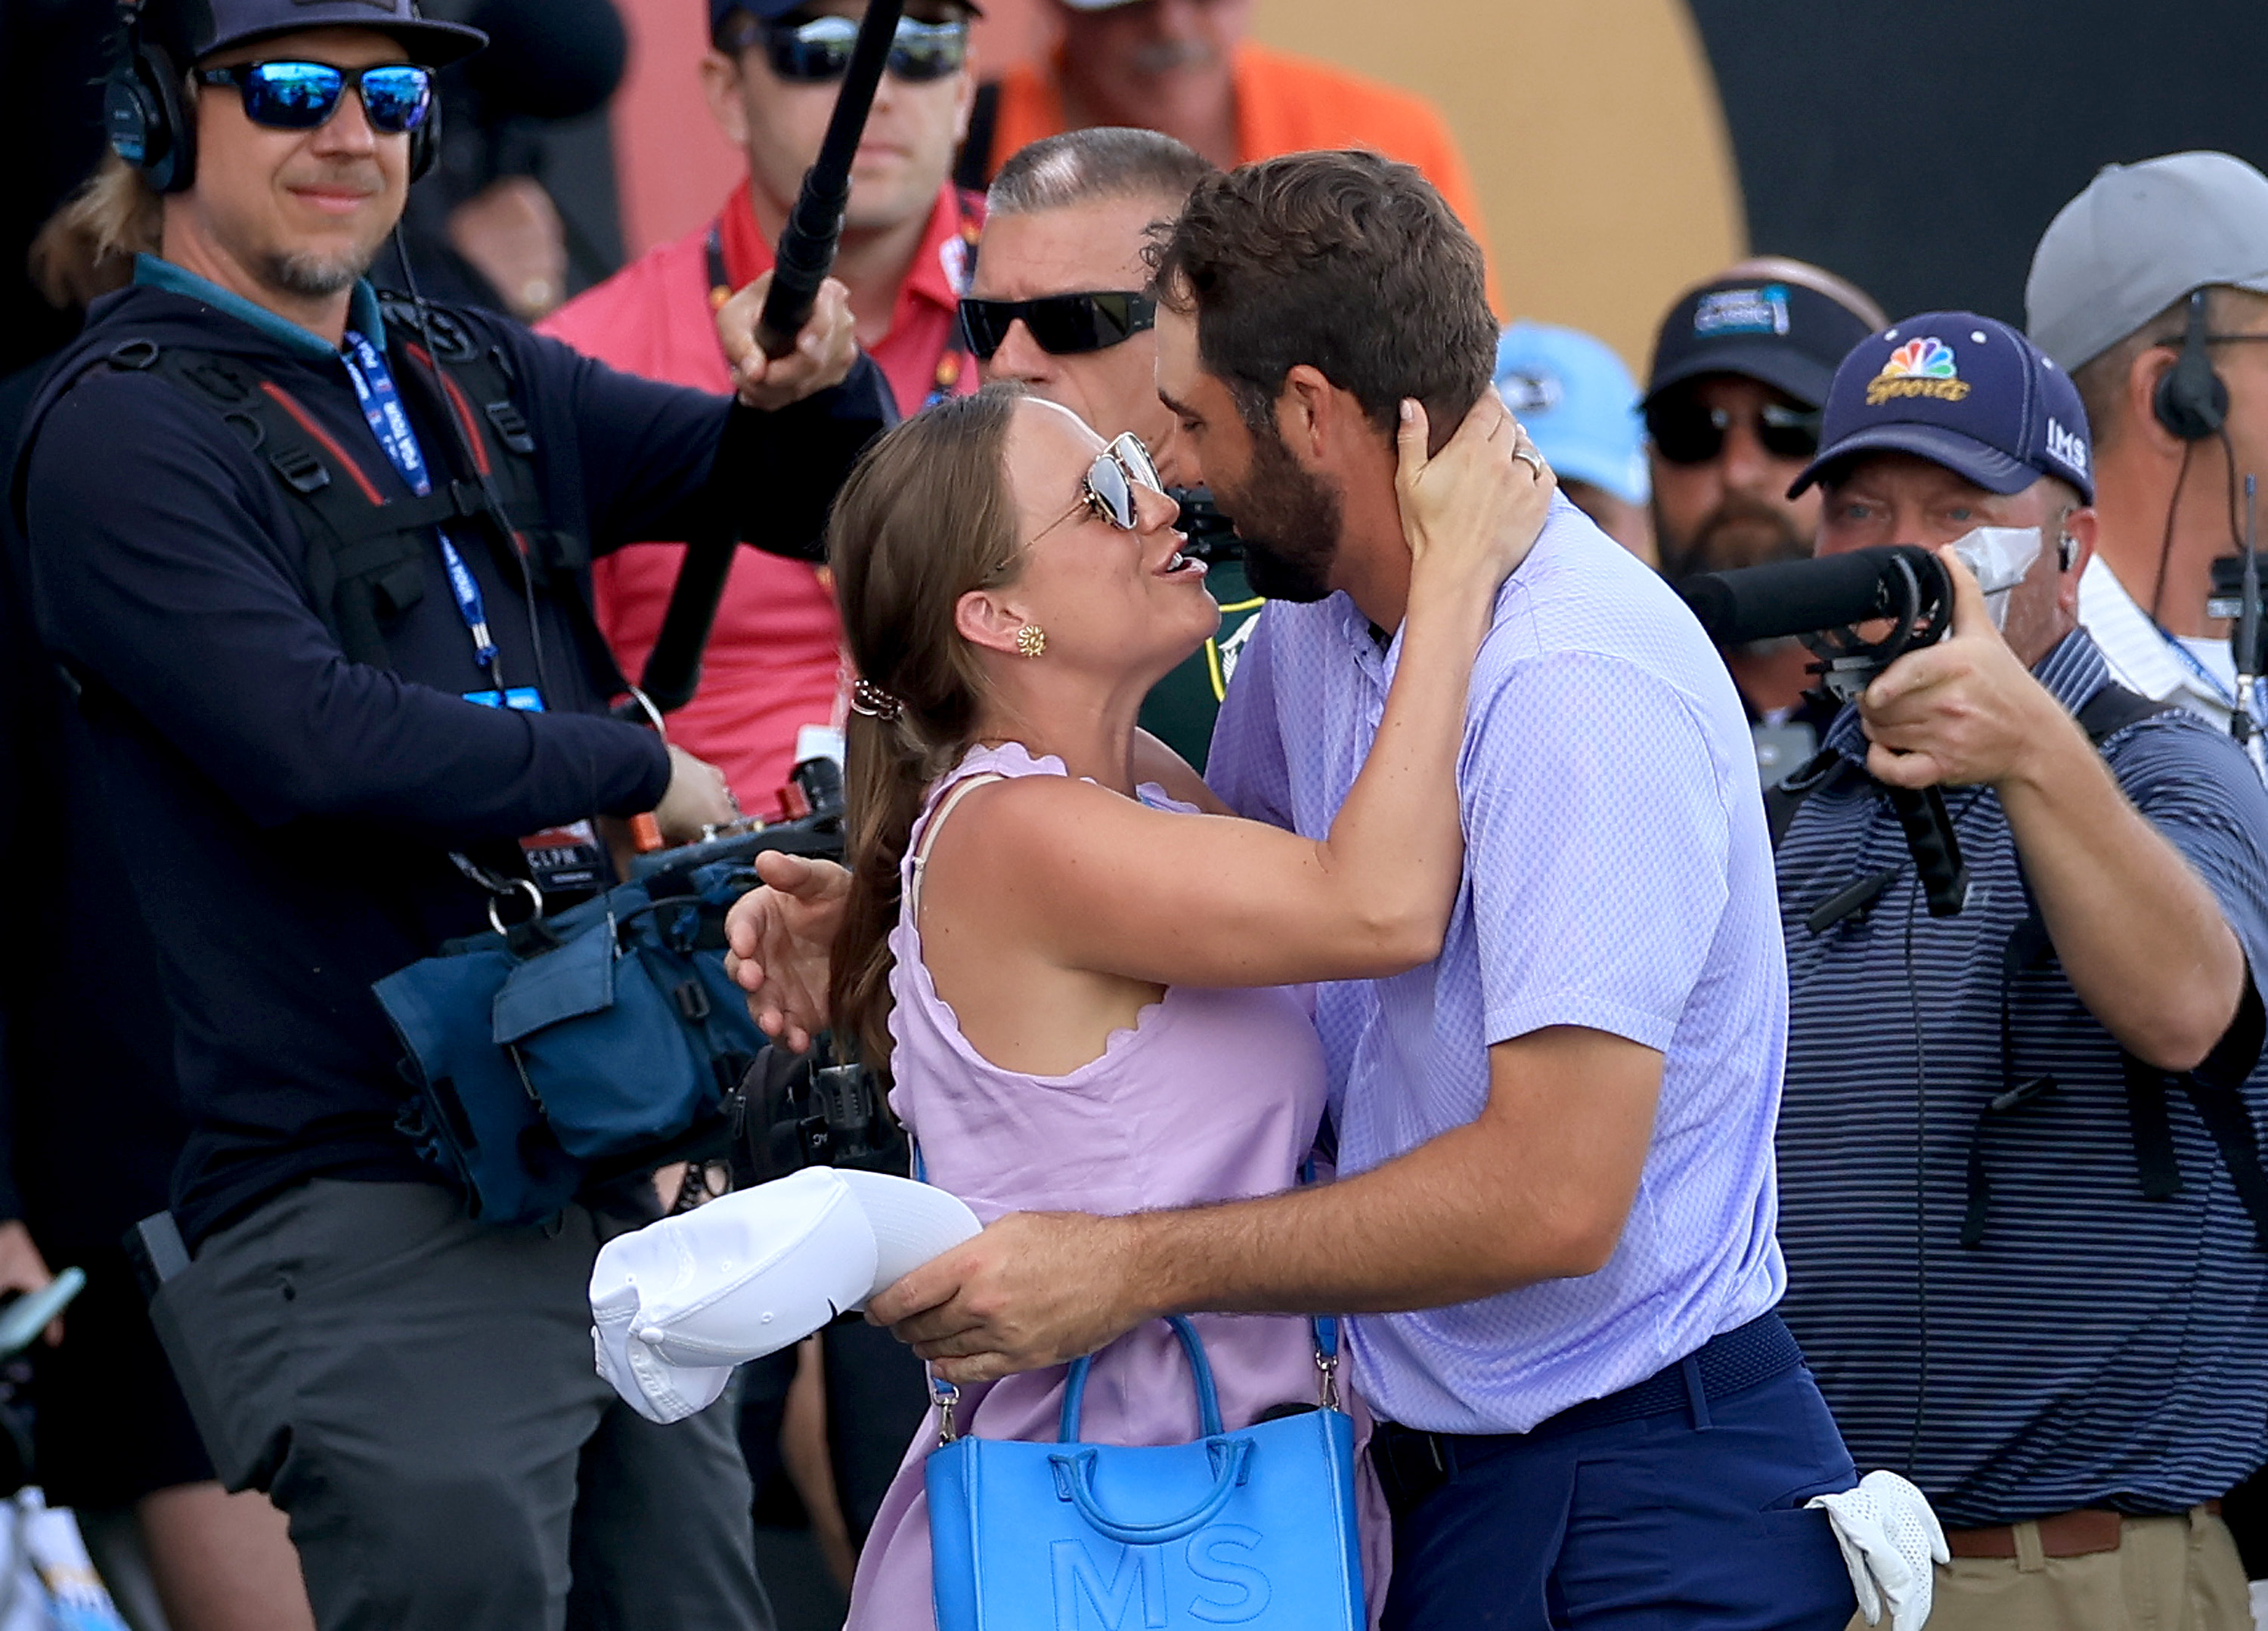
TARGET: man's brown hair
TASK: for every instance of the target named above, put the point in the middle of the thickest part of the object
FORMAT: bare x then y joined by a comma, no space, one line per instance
1347,261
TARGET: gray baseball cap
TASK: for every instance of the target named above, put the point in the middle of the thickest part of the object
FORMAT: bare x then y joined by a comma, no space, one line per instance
2139,238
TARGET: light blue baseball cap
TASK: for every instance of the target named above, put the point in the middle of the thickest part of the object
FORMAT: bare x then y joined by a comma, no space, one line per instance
1578,404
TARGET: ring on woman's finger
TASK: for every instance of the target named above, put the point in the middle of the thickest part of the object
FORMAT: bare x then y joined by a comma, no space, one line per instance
1534,458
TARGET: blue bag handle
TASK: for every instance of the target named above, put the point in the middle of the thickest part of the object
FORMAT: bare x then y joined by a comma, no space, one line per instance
1075,1470
1326,1329
1208,1399
1075,1483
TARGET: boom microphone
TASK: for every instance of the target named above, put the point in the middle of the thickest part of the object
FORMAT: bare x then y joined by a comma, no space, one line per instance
1800,596
1825,600
805,255
546,59
807,248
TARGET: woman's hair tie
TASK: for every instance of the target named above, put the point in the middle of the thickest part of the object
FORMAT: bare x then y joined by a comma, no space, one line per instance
870,700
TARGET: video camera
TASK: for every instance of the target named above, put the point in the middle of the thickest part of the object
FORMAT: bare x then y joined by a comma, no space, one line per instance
815,831
1825,602
790,1110
796,1110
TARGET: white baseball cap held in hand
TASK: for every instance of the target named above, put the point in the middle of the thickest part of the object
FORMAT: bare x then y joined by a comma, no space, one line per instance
679,1302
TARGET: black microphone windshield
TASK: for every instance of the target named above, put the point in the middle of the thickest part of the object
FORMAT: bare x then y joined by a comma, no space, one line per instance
1797,596
547,59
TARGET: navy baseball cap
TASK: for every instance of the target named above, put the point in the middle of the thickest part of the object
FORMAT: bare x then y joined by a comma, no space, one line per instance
195,29
1966,391
1785,333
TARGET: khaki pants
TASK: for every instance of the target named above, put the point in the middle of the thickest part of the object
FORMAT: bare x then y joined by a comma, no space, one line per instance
2169,1573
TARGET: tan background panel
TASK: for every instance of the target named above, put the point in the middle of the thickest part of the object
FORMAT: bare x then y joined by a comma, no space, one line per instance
1594,133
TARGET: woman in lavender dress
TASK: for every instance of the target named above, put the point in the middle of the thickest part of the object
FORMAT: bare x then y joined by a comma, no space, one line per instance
1083,977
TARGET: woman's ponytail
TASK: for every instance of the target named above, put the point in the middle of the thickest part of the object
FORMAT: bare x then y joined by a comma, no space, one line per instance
926,519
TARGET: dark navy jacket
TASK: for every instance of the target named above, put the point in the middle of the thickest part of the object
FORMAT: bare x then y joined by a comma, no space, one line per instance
287,815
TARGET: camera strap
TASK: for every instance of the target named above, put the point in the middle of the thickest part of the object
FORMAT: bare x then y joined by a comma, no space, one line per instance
2213,1089
2214,1092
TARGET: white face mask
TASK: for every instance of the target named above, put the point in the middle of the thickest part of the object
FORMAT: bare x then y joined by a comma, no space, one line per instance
1998,557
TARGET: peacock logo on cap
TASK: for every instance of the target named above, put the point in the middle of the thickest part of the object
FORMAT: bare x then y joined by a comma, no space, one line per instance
1920,367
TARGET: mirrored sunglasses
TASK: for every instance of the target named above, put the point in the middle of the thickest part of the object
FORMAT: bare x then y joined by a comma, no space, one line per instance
819,51
1060,324
1687,432
1107,491
302,96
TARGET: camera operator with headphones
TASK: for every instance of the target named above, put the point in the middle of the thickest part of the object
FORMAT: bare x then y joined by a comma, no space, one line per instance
315,564
2020,1184
2150,289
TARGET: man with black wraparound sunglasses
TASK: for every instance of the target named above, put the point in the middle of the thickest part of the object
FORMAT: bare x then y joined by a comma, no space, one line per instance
772,672
1740,368
1058,304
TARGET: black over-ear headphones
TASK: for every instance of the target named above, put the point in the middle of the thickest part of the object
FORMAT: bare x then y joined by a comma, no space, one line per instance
2191,399
152,128
142,107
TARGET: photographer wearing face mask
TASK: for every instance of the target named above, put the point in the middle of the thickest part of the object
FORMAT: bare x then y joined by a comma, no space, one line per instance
2021,1196
314,562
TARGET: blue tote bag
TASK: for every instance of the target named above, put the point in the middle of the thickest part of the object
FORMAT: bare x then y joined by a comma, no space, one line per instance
1252,1529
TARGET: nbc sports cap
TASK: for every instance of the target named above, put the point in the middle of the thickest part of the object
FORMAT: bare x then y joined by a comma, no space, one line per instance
195,29
2139,238
1966,391
1578,403
1785,333
677,1304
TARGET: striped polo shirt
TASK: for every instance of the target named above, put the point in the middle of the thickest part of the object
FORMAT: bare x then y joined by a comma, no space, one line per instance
2096,1349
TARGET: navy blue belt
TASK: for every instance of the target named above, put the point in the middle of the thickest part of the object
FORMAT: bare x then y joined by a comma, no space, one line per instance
1411,1464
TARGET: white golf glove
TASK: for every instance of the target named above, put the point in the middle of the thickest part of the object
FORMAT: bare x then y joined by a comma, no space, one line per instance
1889,1539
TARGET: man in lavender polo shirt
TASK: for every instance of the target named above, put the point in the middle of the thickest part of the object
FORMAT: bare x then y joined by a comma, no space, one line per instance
1555,1201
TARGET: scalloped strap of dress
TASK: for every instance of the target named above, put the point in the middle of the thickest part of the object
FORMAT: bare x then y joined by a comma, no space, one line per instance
953,796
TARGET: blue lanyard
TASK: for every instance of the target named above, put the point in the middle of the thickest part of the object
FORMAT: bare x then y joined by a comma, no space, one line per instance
2212,681
381,406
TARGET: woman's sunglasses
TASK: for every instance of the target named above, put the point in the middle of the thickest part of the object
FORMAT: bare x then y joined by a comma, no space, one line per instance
301,96
1060,324
1107,492
1692,433
819,52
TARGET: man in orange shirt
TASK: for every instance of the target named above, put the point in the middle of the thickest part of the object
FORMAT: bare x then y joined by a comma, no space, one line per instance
1183,66
773,665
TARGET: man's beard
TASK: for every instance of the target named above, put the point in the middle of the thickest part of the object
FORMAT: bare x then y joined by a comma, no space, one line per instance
1289,520
318,276
1740,531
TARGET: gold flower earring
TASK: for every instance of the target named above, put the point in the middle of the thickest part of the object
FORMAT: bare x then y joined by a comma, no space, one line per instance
1031,640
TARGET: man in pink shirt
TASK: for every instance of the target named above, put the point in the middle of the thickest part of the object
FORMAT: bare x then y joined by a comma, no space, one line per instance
773,665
